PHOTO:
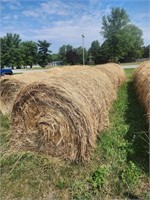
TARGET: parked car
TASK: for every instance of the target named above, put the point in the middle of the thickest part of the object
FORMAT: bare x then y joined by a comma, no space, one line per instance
6,72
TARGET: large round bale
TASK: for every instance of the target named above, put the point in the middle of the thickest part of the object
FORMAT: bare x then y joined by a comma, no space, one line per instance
142,84
64,69
114,71
61,116
10,86
143,65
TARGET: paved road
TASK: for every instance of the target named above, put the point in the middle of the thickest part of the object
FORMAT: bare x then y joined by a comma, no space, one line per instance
15,71
129,66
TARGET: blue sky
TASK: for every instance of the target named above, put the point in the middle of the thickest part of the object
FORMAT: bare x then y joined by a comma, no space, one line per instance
63,22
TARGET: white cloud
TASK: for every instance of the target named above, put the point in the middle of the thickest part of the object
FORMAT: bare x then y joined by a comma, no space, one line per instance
12,4
53,7
69,32
67,29
9,17
142,20
6,17
91,2
11,1
146,37
16,16
63,23
30,13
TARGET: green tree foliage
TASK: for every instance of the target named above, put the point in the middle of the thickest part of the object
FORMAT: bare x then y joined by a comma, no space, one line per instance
43,53
29,53
146,51
72,57
63,51
104,56
94,51
79,51
10,53
122,38
135,42
54,57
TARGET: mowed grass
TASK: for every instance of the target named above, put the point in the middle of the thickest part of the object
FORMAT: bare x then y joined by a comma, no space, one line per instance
118,168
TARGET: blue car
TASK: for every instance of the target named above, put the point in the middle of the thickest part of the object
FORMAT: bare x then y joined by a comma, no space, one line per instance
6,72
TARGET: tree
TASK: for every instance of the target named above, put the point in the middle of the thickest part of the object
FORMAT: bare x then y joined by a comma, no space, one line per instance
54,57
43,53
135,43
72,57
63,52
104,55
146,51
29,53
10,53
94,51
121,35
79,51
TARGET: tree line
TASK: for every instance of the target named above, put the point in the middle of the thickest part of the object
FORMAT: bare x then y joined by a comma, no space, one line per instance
122,43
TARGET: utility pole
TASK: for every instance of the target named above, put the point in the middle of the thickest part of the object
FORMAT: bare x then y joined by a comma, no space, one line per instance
83,48
149,51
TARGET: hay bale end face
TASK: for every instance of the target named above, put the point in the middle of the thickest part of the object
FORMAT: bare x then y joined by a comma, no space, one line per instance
63,114
10,86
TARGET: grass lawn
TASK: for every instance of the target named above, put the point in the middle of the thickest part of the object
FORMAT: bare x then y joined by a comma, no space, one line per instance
118,168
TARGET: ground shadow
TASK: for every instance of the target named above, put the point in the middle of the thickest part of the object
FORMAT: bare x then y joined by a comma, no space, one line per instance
137,134
131,196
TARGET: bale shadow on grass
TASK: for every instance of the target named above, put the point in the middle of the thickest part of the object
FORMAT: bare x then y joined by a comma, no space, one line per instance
131,196
137,134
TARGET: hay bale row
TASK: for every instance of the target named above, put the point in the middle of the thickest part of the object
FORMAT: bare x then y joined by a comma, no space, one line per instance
62,114
142,84
10,86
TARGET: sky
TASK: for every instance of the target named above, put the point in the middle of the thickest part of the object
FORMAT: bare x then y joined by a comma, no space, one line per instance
62,22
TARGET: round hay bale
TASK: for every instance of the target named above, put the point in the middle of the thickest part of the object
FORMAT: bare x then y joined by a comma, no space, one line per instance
114,71
144,65
61,116
64,69
142,84
10,86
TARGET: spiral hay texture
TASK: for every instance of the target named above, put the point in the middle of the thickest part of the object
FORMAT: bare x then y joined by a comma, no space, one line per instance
63,114
8,90
142,84
10,86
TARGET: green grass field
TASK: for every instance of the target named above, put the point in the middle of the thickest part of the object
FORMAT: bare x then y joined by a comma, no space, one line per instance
118,168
